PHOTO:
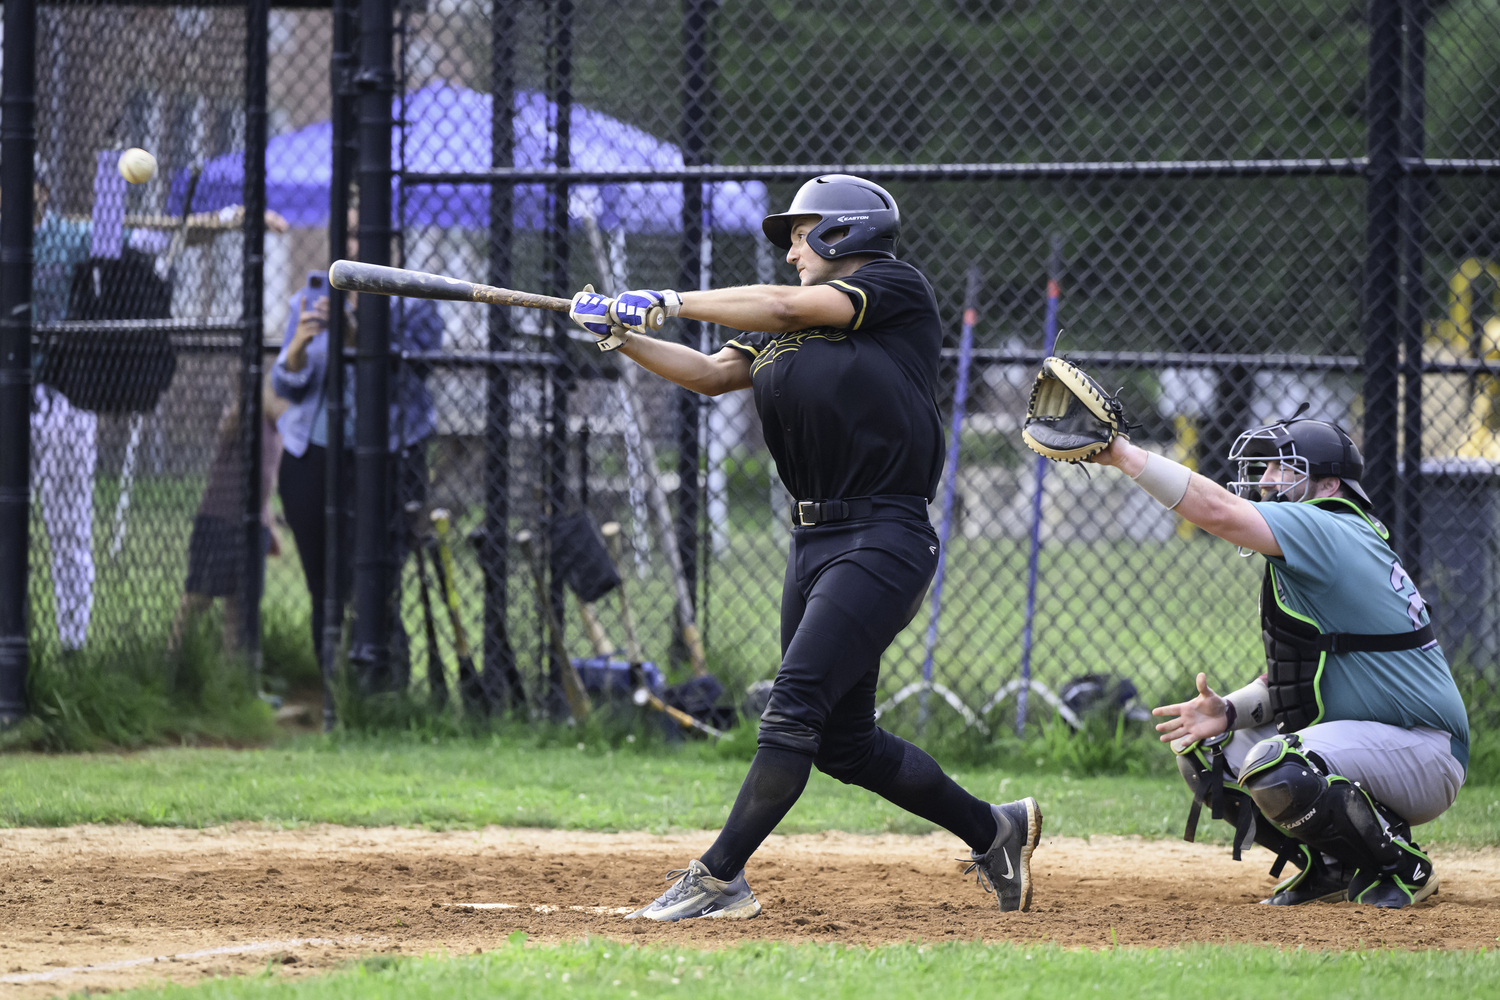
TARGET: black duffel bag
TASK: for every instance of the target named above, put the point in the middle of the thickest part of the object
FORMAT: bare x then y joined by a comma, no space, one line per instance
112,370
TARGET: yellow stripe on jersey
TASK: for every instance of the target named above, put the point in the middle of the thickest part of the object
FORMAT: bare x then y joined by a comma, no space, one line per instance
744,347
863,298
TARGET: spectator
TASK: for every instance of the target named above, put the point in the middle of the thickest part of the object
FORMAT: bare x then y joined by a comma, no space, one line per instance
299,376
64,436
216,548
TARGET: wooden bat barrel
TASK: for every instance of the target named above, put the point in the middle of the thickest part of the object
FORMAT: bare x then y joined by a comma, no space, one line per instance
377,279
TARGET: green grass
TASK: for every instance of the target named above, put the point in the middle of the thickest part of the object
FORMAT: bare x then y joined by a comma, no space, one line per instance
474,782
596,968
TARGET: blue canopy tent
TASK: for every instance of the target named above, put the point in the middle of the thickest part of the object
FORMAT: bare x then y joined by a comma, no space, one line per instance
448,130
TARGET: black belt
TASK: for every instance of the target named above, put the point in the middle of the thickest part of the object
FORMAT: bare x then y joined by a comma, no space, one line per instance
807,513
1361,642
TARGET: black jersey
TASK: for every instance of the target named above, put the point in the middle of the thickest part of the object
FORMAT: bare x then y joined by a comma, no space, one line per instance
853,412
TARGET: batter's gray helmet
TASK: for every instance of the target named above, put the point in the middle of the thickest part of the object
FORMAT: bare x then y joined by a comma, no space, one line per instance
839,201
1309,448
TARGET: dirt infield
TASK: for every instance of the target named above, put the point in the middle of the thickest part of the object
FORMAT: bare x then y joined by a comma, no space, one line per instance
141,904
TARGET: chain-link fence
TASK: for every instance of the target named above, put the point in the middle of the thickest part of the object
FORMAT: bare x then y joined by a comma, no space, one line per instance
1245,207
138,417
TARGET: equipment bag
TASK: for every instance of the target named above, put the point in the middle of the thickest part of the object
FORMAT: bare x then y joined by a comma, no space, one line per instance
112,370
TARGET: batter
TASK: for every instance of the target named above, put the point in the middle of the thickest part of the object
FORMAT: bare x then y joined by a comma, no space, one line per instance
844,370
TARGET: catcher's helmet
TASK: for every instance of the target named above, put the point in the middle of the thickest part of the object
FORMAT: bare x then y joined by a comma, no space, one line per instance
841,200
1306,448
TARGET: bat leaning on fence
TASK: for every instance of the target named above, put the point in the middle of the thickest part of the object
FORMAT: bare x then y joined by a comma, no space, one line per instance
377,279
638,440
572,684
643,695
611,532
468,678
437,679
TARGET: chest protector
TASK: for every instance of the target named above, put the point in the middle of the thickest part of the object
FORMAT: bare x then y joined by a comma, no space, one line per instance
1297,647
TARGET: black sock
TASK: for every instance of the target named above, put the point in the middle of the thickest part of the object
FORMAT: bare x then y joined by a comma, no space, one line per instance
919,786
772,787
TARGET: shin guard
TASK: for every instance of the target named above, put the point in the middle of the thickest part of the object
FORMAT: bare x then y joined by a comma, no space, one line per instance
1204,769
1331,814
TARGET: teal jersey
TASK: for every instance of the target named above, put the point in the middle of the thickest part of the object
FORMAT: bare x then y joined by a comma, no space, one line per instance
1335,570
58,245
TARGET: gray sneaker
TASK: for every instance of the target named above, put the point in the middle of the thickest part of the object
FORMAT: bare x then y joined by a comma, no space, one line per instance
1005,869
698,894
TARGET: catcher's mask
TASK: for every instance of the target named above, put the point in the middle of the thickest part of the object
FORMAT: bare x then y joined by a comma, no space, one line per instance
841,201
1306,450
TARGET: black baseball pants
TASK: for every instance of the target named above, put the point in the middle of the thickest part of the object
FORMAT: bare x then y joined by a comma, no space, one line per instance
851,587
303,487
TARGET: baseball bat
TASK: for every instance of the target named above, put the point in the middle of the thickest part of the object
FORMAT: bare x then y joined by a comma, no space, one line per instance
597,636
437,682
611,532
468,677
377,279
572,684
656,496
644,698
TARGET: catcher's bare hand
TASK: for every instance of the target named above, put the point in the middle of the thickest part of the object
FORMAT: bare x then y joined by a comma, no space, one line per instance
1117,454
1199,719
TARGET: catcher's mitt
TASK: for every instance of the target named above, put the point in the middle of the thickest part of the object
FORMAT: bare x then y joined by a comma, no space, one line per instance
1070,417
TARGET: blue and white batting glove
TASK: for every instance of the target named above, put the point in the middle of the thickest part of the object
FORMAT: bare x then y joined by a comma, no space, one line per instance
634,310
591,311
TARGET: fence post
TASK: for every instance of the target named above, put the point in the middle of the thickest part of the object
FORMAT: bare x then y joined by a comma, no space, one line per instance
556,278
17,147
341,68
500,681
1414,301
697,135
1382,239
257,30
370,652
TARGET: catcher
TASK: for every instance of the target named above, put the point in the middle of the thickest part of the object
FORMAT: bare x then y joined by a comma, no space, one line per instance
1356,732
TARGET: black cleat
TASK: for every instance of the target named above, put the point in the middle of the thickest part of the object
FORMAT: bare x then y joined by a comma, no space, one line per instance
1005,869
1319,882
1394,889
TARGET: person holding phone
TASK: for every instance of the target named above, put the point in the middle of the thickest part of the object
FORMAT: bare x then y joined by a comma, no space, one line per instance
299,376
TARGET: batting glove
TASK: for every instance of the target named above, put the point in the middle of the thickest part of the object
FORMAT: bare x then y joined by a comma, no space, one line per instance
642,311
591,311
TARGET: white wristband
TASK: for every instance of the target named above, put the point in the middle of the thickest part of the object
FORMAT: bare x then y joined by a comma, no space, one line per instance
1252,704
672,301
1166,480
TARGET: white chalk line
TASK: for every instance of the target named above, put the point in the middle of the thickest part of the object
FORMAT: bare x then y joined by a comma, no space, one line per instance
229,949
602,911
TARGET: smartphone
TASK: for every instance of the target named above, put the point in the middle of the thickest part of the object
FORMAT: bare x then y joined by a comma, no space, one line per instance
317,288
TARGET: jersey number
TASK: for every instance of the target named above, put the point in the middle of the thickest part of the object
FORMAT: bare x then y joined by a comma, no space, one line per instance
1414,604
